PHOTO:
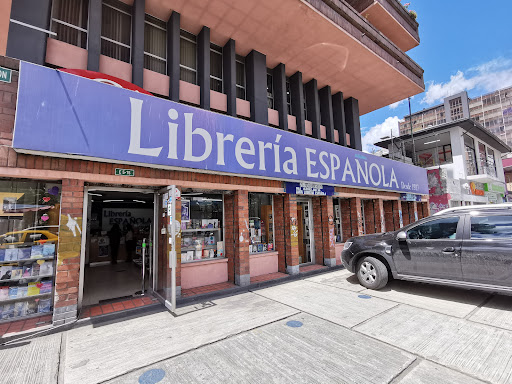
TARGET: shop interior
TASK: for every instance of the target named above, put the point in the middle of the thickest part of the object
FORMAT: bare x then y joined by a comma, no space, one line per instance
304,232
118,226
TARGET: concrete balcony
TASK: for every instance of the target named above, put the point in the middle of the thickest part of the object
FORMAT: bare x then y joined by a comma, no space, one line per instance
391,19
485,174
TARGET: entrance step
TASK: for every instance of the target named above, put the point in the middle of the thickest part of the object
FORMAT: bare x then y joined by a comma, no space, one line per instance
119,305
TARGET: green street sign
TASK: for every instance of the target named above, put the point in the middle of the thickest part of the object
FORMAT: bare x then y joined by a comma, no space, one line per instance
5,75
125,172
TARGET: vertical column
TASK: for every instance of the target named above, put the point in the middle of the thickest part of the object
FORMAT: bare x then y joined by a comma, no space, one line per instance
256,75
380,216
389,216
94,36
67,275
415,210
229,75
369,216
137,50
326,112
177,244
241,221
346,219
405,213
327,228
397,214
356,216
279,232
27,43
279,79
173,56
229,234
351,107
297,93
291,234
313,106
338,112
203,67
318,233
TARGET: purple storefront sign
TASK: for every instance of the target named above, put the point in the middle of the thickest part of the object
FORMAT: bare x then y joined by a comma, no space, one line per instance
61,113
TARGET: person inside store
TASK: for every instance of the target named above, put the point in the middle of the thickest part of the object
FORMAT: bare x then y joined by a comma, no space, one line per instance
115,238
130,243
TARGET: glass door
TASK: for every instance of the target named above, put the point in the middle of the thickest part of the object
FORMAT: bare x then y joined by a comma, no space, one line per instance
305,229
165,234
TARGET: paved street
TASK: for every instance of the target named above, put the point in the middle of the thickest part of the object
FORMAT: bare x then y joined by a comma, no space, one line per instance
322,329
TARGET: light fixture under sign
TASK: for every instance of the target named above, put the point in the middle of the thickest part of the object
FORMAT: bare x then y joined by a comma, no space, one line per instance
112,201
431,142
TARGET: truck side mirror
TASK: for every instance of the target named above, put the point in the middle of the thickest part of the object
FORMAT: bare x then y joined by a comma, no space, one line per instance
401,236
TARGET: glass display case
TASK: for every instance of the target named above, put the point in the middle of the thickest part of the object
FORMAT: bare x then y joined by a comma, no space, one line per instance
261,223
29,223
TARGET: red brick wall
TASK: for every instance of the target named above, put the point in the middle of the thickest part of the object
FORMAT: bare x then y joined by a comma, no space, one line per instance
380,221
241,234
389,215
229,230
356,216
318,223
279,232
291,239
327,228
369,216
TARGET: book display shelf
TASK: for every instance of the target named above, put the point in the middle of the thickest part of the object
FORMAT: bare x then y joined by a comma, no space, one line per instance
26,280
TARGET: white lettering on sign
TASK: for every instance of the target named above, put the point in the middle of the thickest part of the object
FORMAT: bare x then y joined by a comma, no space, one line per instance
251,154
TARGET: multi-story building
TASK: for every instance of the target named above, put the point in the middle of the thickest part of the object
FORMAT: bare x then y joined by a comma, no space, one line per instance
227,149
493,111
507,168
463,162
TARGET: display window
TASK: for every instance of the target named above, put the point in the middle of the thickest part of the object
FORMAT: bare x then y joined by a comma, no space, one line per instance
201,227
337,220
261,223
29,235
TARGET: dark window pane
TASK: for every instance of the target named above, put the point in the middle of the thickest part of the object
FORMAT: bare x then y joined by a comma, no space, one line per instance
437,229
491,227
72,12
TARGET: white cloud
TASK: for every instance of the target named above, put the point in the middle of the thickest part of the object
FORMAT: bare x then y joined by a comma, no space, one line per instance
397,104
489,76
375,133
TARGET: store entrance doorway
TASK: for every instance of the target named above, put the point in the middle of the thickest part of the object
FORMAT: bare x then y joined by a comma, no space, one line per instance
118,244
305,229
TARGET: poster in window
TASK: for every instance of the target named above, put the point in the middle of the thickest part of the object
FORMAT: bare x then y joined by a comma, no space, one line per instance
185,211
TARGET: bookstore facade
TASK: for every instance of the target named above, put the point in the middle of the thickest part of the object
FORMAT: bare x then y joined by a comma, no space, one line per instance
145,194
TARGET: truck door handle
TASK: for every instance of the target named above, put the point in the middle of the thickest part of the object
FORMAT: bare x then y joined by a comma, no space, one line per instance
449,249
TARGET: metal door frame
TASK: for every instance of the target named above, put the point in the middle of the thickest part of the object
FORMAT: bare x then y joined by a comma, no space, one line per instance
85,219
309,201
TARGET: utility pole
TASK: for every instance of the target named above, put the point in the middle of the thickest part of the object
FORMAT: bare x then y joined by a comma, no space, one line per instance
412,134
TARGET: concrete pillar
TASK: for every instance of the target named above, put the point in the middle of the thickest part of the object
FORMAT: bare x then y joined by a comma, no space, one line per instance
256,87
297,93
137,49
229,75
313,106
338,111
67,274
351,107
291,234
280,104
94,35
173,55
326,112
203,67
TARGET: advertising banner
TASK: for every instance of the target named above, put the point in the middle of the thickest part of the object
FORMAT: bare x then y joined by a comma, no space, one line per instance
58,112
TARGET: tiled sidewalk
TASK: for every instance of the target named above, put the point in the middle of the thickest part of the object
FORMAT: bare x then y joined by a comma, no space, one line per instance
270,276
25,325
206,289
313,267
117,306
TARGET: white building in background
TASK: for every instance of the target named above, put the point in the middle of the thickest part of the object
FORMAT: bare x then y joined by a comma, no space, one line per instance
463,161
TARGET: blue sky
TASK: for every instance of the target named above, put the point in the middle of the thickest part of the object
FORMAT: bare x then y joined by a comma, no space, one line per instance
464,45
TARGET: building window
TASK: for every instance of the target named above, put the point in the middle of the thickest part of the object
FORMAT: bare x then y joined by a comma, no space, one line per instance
240,77
261,223
201,226
469,145
305,103
270,89
188,57
445,154
155,45
29,235
116,30
216,68
456,109
491,163
288,96
69,21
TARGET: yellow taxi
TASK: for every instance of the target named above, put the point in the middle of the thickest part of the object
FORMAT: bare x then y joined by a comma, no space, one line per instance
27,236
